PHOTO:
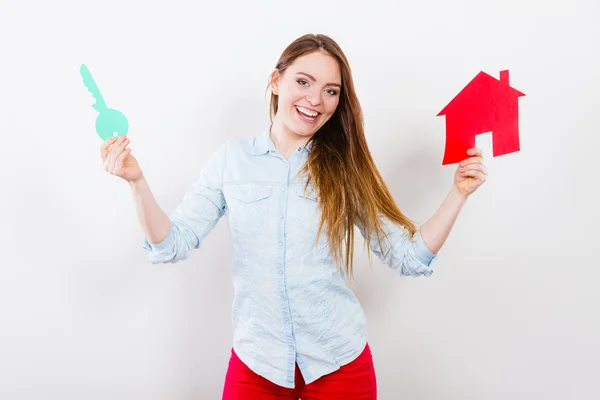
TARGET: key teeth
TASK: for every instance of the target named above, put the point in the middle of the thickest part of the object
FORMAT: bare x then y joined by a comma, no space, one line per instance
91,86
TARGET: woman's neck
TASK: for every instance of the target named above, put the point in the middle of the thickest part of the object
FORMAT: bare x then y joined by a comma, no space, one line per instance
286,141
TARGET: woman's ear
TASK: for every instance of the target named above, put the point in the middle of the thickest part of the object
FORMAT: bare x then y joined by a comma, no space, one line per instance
274,80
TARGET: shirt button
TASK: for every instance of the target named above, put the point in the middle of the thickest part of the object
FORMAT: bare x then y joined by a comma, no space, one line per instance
280,272
299,148
280,244
281,217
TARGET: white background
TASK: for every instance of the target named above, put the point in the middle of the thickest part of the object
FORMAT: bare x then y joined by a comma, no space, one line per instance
511,311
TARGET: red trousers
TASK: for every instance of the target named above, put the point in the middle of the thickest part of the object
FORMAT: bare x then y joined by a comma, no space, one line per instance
353,381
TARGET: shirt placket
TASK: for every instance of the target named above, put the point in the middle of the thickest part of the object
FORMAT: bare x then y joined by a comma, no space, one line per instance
281,260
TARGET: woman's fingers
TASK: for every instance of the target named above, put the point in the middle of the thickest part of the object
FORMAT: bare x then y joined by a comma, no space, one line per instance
120,161
474,166
473,163
475,151
104,148
118,147
474,173
111,146
107,162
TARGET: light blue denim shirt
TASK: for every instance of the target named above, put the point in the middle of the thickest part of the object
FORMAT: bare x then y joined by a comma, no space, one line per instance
291,303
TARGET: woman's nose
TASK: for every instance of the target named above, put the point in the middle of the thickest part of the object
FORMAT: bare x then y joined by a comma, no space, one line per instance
313,99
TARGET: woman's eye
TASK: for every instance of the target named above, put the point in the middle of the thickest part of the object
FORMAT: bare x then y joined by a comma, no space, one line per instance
302,82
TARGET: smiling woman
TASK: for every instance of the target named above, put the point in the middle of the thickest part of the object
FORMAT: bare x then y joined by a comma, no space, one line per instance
308,102
293,196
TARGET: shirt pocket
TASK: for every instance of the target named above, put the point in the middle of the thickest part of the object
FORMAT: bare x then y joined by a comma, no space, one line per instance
249,207
308,216
308,193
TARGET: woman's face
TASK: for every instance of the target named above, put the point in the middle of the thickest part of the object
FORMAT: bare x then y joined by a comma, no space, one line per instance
309,93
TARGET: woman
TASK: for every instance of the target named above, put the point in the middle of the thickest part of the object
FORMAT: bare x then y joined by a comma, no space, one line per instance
292,196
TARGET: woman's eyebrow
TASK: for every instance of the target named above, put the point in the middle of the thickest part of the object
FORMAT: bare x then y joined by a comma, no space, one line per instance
313,78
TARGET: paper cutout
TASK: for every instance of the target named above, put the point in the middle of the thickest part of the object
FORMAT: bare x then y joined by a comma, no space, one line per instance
485,104
110,122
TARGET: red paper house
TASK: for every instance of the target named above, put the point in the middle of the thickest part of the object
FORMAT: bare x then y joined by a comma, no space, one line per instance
485,104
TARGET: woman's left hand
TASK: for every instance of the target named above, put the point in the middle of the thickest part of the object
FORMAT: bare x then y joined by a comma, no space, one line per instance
471,173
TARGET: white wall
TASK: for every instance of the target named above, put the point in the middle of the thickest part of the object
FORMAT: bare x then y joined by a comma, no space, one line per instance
512,309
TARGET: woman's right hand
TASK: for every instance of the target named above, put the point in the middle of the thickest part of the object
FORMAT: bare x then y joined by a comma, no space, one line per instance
118,159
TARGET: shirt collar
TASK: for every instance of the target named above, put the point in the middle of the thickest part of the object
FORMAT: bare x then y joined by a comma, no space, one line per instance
263,143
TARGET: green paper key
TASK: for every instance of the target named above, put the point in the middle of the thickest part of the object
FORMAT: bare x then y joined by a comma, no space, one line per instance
110,122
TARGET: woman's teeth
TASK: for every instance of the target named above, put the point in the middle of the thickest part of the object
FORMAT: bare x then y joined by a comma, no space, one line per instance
307,113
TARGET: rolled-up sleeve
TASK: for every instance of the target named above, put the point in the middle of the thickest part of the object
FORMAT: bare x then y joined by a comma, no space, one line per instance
197,214
405,256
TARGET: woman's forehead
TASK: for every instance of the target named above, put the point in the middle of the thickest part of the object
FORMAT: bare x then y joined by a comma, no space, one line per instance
320,66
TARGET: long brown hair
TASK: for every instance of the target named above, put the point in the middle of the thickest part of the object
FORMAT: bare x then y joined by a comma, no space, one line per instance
349,186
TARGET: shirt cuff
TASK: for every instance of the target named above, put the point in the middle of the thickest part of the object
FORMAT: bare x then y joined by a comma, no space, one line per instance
422,252
165,244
